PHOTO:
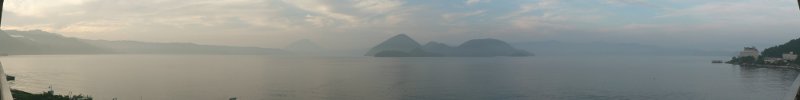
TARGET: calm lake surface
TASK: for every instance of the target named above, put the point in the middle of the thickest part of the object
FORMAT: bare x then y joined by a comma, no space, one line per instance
219,77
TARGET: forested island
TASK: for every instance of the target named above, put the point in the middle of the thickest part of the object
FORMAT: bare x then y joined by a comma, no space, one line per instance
404,46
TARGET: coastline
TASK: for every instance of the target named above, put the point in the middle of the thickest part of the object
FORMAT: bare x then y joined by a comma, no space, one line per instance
797,67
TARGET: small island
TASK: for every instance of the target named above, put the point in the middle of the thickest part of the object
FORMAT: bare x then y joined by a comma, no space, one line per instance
404,46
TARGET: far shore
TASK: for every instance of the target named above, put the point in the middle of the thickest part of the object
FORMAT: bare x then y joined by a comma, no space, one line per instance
769,66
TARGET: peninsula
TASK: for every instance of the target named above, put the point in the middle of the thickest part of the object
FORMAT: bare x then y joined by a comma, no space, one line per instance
777,56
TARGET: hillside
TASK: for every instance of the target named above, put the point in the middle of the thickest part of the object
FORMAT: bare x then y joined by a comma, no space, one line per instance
40,42
777,51
403,46
487,48
398,43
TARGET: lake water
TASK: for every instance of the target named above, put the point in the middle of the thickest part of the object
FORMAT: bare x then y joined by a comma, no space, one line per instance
219,77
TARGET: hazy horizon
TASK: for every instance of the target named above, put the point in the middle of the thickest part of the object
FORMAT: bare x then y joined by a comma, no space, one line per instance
361,24
400,49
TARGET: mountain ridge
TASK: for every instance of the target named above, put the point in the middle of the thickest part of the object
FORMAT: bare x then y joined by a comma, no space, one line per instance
399,43
403,46
40,42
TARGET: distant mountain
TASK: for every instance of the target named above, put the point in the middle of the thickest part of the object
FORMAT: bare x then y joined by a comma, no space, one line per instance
488,48
418,52
136,47
398,43
556,48
403,46
41,42
10,44
438,48
304,46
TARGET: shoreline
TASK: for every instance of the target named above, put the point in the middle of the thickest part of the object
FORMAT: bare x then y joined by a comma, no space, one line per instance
797,67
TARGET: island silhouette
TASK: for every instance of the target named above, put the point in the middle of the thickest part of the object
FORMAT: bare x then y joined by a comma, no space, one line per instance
402,45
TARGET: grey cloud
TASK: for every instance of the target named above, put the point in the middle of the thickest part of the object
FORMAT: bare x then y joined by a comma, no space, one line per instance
363,23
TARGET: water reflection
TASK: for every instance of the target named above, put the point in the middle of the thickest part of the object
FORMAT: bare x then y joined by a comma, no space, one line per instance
216,77
464,79
769,78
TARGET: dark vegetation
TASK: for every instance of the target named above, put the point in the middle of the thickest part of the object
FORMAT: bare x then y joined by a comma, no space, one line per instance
488,48
777,51
48,95
774,52
743,60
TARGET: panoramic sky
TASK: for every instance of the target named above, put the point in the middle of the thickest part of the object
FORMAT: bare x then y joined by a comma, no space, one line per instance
359,24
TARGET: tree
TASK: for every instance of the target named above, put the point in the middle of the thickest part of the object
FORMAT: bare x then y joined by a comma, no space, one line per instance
744,60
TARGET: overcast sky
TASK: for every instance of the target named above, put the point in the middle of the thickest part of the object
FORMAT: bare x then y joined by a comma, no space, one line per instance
364,23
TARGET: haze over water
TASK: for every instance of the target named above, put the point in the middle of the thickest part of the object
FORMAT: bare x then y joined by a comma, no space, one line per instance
218,77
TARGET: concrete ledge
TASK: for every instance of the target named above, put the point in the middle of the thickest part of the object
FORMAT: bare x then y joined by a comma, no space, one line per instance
5,90
792,93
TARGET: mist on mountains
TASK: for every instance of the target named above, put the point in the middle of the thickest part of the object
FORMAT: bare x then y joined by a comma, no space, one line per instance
557,48
40,42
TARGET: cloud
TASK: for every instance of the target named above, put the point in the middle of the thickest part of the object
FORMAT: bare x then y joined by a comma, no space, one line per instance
473,2
377,6
550,16
636,2
454,16
358,23
530,7
323,8
319,21
753,10
747,21
93,27
352,13
40,8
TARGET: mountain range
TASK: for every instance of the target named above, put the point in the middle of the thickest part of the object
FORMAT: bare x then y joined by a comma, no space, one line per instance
41,42
404,46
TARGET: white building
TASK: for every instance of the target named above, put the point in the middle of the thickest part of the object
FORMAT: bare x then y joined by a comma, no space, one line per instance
790,56
772,60
749,52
